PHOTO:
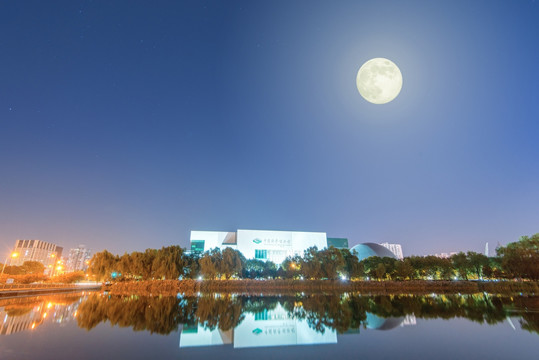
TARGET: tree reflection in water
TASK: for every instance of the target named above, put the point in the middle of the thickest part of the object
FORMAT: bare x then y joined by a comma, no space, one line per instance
340,313
219,311
161,315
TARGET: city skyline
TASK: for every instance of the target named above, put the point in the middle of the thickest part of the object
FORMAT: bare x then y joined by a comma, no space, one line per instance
126,127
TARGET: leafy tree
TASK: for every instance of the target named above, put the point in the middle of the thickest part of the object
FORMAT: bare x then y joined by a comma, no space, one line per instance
291,267
103,264
373,268
404,270
332,262
148,258
447,272
137,265
311,264
168,262
210,264
30,278
192,266
493,269
253,269
231,263
380,271
13,270
69,278
353,269
28,267
418,264
521,258
477,262
270,270
33,267
127,267
462,265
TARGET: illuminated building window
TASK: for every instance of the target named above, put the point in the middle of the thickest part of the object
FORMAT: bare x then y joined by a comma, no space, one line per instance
261,254
197,245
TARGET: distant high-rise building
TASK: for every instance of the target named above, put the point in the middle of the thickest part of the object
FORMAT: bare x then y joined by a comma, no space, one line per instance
36,250
395,249
78,258
445,255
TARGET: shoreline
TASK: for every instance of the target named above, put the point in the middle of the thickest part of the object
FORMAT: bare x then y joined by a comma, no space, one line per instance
45,290
275,287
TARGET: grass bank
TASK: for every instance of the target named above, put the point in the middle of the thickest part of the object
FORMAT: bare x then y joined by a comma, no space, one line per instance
193,287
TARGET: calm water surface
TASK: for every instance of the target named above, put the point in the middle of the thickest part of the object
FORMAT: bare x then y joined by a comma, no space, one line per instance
102,326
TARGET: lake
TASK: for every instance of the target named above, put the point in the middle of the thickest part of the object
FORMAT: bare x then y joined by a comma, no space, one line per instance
96,325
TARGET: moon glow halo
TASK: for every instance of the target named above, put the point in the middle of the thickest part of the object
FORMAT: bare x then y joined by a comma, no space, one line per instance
379,81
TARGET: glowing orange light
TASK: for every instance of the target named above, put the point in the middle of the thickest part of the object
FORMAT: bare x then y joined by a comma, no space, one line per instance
44,315
33,325
14,255
49,305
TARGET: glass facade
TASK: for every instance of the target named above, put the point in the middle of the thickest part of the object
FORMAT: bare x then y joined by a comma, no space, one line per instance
261,254
197,245
339,243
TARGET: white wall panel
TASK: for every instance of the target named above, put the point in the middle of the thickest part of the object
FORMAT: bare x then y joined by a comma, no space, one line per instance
278,244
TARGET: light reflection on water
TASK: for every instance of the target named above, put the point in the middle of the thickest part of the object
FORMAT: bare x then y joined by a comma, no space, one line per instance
229,324
28,313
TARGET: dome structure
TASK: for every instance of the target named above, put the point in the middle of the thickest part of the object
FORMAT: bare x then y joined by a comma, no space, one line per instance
366,250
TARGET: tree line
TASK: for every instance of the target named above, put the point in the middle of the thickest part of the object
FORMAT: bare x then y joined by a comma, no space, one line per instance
516,260
28,267
33,271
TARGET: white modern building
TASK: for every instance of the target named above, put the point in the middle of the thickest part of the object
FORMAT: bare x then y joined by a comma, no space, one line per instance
395,249
267,245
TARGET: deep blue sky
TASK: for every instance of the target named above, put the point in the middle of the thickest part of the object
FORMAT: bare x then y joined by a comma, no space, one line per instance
124,125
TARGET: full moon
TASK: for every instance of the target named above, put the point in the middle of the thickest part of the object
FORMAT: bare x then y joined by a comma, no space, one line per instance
379,81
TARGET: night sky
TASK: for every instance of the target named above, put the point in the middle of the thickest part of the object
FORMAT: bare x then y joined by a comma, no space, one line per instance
126,124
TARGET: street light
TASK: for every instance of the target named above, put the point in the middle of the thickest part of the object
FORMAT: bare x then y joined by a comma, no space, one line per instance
55,268
52,267
13,255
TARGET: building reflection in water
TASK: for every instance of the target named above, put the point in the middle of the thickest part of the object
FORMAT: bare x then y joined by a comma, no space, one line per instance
19,322
275,327
261,321
278,327
23,314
